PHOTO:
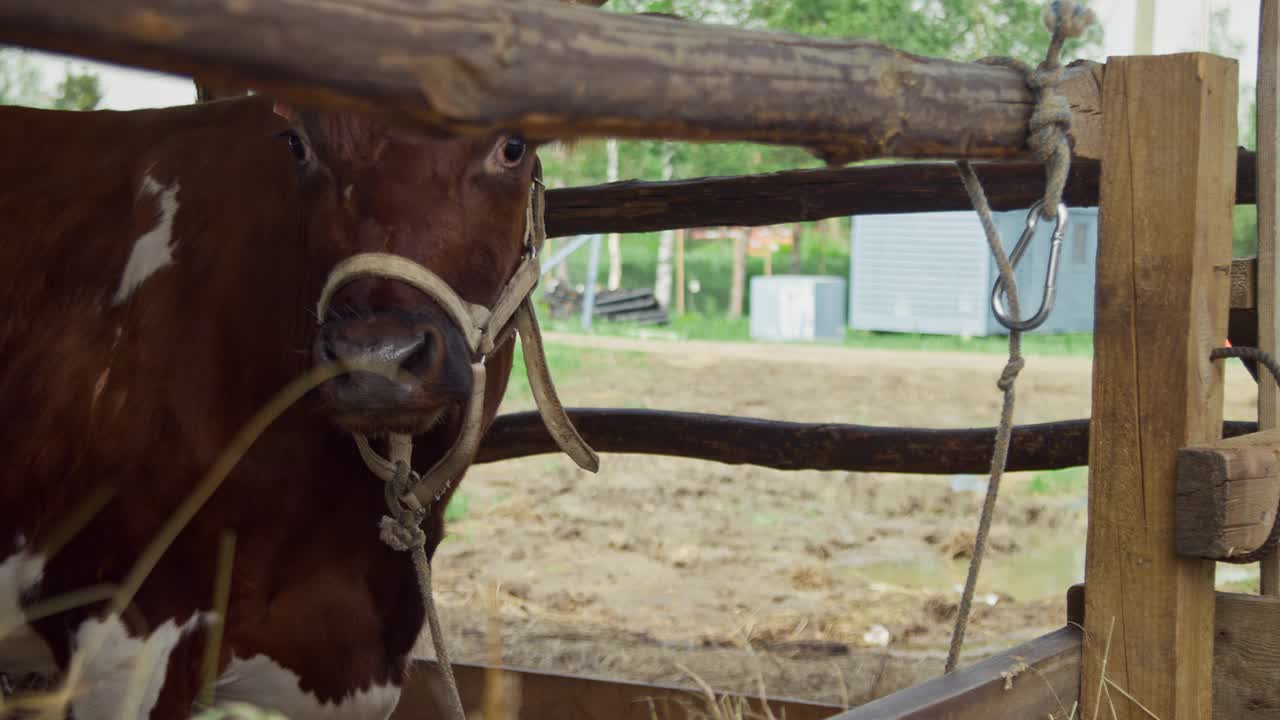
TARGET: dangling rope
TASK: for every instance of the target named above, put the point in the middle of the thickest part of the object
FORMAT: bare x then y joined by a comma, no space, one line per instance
1050,125
403,531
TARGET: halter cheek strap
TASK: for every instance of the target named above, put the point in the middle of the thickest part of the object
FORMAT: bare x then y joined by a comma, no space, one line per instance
484,330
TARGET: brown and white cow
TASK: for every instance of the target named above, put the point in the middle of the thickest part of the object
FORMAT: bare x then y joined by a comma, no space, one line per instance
161,269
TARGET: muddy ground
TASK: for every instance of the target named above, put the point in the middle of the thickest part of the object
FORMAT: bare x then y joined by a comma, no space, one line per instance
834,587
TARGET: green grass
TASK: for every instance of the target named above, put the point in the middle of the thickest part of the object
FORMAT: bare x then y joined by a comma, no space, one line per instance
459,506
1068,481
711,264
703,327
563,361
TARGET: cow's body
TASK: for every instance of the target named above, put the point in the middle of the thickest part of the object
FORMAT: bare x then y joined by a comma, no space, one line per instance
130,360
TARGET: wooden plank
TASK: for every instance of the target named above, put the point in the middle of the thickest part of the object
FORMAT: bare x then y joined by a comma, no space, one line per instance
634,206
1228,492
1038,679
1162,294
560,70
799,446
1268,192
1246,657
1246,654
553,696
1244,283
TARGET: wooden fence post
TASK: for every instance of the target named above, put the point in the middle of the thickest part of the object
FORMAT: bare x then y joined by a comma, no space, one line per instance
1164,261
1268,271
680,271
738,287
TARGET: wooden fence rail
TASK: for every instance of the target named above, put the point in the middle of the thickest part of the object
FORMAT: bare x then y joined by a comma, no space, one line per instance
800,446
556,70
801,195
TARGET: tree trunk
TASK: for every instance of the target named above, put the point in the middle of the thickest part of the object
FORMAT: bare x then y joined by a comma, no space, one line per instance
680,272
795,248
666,242
739,276
615,246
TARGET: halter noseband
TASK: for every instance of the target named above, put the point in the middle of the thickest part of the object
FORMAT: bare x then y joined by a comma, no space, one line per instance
484,330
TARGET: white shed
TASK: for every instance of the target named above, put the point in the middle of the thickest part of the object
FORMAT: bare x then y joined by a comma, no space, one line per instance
933,273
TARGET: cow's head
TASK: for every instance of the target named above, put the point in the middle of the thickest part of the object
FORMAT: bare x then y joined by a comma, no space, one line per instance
455,205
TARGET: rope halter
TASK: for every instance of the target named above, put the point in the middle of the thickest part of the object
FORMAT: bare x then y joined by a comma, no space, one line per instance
484,329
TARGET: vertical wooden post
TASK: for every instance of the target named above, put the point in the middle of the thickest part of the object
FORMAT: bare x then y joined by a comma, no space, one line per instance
795,248
1164,262
1268,274
1144,27
738,288
680,272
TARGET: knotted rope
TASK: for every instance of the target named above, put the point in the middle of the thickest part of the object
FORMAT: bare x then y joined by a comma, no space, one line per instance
1049,141
402,531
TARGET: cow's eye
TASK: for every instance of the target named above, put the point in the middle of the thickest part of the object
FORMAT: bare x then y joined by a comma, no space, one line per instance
513,150
297,145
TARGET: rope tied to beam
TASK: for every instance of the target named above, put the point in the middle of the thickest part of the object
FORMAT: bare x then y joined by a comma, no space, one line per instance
1049,140
1264,359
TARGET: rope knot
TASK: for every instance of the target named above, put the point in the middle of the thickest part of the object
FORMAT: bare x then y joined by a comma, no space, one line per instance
399,535
403,480
1075,18
1010,373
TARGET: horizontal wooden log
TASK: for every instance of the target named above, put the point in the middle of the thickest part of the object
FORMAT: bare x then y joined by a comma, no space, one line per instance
544,695
1038,679
561,70
1227,495
800,446
634,206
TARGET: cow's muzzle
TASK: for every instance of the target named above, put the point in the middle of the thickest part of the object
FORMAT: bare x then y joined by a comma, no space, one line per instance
429,353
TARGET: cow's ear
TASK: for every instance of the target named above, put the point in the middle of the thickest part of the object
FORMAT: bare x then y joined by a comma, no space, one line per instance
284,111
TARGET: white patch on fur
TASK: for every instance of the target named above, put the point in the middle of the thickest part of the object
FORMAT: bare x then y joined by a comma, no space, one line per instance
116,672
264,683
153,251
22,650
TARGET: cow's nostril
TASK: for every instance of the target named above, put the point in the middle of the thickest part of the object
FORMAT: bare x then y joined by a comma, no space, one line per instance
423,357
328,352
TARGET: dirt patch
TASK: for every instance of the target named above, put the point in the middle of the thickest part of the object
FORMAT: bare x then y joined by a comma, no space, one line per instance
830,585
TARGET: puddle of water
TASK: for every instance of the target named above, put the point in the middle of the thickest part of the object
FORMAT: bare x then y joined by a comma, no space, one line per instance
1034,573
1031,574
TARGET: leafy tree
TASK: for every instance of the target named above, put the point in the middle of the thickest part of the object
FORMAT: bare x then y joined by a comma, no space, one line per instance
78,91
20,84
959,29
19,79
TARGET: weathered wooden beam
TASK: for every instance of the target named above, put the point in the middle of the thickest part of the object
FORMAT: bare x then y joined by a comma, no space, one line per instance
635,206
1268,262
1246,653
561,70
799,446
1038,679
1246,657
1162,294
1228,492
544,696
1244,284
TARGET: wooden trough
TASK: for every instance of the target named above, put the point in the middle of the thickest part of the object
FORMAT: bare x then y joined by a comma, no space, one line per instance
1154,139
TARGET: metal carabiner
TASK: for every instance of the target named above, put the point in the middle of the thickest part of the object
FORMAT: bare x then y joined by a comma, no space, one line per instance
1051,276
